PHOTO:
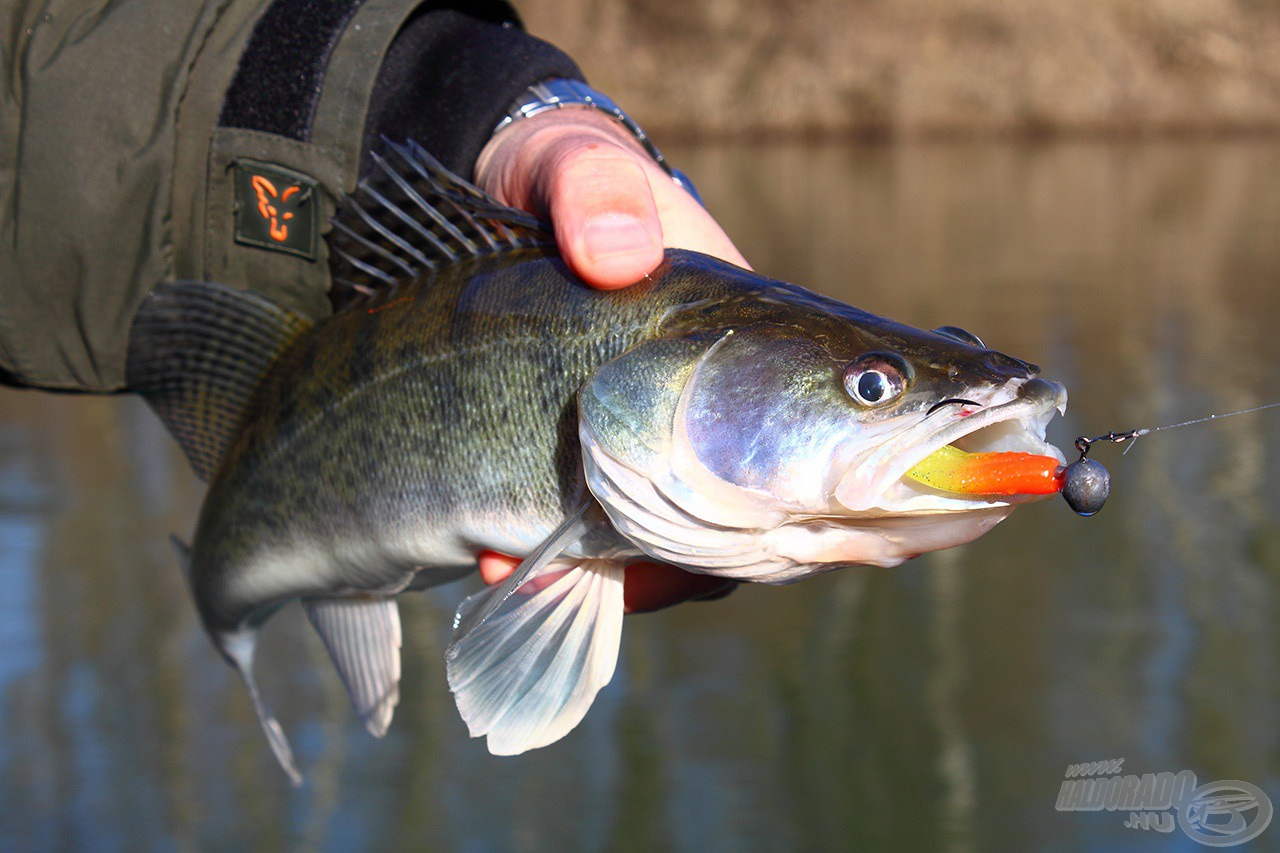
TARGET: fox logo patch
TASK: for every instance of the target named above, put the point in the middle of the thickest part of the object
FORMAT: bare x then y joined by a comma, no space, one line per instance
266,194
275,208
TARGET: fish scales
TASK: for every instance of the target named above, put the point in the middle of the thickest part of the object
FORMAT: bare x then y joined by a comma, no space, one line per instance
409,434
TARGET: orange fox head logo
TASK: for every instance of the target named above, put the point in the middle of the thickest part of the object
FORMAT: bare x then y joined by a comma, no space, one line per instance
276,208
271,204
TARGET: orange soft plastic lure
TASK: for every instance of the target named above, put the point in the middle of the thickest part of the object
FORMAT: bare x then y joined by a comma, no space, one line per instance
950,469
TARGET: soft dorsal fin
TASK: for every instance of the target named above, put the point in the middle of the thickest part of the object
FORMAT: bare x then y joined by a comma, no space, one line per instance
197,351
410,215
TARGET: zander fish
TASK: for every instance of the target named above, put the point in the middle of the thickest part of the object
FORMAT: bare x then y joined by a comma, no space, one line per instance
471,394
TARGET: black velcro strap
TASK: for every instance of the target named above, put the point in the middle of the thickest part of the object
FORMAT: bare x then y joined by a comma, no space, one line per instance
281,72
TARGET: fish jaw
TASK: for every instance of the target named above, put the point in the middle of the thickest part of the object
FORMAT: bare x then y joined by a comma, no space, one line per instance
881,518
789,548
813,546
1011,418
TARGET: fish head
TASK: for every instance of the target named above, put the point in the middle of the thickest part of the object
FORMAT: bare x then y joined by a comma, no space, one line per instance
778,446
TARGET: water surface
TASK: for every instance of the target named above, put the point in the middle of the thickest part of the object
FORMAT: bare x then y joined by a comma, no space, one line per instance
932,706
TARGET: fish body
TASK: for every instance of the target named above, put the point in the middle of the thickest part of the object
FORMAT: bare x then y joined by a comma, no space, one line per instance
403,440
484,399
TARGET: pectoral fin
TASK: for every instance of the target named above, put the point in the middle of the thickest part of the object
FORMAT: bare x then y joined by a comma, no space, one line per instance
527,675
529,656
362,634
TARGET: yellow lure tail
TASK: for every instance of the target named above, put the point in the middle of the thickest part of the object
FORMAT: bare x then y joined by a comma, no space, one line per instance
950,469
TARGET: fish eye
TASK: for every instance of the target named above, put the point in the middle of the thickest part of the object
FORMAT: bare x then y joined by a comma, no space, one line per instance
958,334
877,378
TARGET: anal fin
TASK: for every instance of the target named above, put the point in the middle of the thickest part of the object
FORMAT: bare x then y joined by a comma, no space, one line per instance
362,634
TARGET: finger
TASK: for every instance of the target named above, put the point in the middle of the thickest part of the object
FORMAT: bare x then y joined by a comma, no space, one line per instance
653,586
594,181
495,567
604,214
686,224
646,586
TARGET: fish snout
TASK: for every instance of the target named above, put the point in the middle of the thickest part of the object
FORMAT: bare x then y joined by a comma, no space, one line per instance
1006,366
1048,394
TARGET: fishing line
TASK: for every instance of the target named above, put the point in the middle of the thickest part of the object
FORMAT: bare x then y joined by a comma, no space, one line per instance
1083,443
1086,484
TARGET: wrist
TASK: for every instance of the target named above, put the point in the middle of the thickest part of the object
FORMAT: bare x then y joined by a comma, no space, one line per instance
568,99
523,152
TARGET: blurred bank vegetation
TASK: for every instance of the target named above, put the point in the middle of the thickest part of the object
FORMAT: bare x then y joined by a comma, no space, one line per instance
922,68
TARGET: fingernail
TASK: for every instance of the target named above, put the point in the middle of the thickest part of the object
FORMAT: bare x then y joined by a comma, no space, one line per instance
615,234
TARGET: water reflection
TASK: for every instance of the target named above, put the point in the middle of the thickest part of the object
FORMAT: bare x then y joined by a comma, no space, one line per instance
935,705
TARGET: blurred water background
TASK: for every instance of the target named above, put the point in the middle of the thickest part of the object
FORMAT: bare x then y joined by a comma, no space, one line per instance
927,68
933,706
1106,203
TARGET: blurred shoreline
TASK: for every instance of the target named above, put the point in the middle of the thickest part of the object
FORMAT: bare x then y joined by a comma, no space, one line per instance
929,69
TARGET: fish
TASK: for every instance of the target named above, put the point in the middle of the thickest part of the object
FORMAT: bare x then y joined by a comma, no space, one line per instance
469,393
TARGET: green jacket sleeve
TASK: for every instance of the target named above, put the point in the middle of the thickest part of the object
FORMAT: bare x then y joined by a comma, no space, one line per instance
143,142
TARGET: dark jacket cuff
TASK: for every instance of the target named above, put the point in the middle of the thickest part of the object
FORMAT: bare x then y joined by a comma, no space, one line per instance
449,78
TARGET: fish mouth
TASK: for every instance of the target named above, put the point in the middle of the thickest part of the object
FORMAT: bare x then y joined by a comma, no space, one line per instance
1013,417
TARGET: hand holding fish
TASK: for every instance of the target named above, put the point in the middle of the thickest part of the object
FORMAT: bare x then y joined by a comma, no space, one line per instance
645,586
613,209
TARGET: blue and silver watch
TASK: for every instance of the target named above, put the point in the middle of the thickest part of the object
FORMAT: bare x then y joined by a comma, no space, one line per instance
560,92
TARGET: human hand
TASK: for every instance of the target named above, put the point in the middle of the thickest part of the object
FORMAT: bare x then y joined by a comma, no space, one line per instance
612,207
645,586
614,210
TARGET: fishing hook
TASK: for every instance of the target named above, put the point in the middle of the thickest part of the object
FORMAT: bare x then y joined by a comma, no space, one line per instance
957,400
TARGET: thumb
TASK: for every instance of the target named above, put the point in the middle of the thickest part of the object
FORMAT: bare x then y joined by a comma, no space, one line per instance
575,168
604,215
613,209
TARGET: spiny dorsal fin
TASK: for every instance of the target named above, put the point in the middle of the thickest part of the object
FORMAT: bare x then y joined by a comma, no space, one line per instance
196,352
410,215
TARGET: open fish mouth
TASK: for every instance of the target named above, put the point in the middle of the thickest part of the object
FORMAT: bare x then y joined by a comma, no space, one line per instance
876,482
